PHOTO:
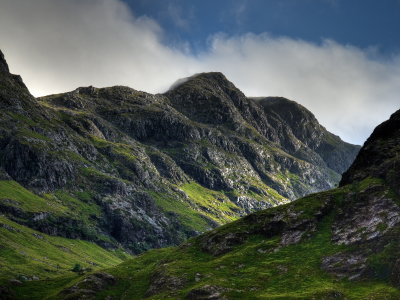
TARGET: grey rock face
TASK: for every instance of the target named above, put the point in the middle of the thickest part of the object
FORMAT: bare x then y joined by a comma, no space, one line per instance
299,122
379,155
352,265
136,157
370,218
32,167
3,63
213,292
161,282
290,225
89,287
211,99
249,205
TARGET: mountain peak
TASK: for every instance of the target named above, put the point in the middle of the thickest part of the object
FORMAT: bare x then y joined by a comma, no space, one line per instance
205,75
3,63
206,98
379,155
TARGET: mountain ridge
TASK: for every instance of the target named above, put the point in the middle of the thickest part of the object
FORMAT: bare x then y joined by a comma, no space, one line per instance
131,171
337,244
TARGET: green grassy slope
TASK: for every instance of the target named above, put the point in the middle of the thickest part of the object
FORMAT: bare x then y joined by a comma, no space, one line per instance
259,267
26,252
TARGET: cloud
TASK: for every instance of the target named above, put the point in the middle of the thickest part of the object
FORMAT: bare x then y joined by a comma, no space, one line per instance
347,91
59,45
179,17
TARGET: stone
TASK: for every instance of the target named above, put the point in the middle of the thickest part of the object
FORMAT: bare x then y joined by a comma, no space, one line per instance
346,264
3,63
211,292
160,281
89,286
15,282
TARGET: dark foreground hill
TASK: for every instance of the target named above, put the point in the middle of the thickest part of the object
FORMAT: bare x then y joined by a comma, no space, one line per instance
338,244
127,169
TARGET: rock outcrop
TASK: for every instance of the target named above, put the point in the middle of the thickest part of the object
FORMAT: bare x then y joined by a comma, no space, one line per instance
379,157
146,171
3,63
89,287
338,244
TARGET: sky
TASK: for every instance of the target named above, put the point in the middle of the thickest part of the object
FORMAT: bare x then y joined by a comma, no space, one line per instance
338,58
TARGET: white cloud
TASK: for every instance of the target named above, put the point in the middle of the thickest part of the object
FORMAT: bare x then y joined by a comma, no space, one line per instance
179,17
348,92
59,45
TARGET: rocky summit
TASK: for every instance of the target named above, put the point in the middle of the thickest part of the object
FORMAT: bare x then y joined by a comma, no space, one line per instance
121,171
153,170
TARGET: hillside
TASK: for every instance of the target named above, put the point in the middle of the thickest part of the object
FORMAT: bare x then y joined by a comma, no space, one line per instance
124,168
96,175
338,244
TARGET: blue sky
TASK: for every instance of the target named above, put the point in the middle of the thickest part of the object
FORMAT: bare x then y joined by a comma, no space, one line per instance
361,23
340,59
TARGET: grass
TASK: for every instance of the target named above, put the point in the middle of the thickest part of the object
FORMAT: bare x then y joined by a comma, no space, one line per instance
257,269
202,202
260,268
82,210
26,134
11,190
61,206
189,217
132,279
217,203
57,204
368,182
21,118
30,253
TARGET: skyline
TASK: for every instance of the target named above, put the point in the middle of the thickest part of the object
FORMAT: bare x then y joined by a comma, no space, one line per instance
350,84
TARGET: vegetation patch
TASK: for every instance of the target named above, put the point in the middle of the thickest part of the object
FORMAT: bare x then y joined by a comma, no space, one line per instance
26,200
26,252
258,269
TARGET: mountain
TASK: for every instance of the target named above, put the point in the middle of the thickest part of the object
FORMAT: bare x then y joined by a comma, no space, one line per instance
338,244
126,171
297,122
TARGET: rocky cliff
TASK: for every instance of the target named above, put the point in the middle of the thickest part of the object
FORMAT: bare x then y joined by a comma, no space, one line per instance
122,167
339,244
300,124
3,63
379,155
